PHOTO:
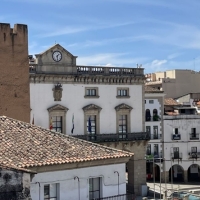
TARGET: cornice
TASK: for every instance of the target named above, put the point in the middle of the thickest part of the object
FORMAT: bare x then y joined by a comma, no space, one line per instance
87,79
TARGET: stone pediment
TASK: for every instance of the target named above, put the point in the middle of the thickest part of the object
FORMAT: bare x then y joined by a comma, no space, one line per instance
57,107
123,106
91,107
50,57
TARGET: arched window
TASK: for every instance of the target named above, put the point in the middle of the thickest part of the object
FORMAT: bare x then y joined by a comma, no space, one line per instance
155,115
148,115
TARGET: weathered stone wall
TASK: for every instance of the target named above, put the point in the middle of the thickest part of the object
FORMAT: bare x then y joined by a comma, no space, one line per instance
12,185
14,72
136,165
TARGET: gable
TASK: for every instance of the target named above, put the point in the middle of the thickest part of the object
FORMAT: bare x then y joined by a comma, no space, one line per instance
47,58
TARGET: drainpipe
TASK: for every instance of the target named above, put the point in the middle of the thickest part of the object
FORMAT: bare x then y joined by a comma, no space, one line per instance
76,177
39,188
118,179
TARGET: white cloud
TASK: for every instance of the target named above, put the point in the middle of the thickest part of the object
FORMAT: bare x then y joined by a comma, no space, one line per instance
174,55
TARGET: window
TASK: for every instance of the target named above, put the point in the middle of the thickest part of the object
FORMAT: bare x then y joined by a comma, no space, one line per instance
91,119
91,92
95,188
57,118
151,101
148,115
122,126
148,129
123,120
193,149
57,124
155,115
193,131
51,191
148,149
145,101
176,131
123,92
91,126
155,132
176,152
155,149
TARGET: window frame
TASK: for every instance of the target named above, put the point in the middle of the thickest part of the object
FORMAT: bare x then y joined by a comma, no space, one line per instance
99,189
56,185
92,96
58,111
151,101
123,89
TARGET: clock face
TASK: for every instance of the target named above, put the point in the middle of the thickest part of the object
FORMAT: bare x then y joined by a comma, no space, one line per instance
57,56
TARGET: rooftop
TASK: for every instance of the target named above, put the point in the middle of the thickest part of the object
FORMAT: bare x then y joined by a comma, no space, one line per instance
26,145
170,102
152,90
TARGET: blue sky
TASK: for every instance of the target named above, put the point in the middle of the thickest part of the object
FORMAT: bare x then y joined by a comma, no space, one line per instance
159,34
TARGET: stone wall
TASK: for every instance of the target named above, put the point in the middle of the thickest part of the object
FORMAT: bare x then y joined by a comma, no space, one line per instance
14,185
14,72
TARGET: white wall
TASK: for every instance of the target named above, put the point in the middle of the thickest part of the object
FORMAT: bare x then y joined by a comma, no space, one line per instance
69,187
184,127
41,97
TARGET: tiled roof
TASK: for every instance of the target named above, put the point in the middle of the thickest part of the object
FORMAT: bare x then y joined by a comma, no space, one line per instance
152,90
170,102
26,145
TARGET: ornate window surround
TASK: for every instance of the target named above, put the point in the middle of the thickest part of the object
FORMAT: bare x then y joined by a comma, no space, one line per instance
123,109
58,110
92,109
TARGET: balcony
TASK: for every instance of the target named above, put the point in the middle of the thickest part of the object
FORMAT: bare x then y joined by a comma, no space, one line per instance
176,155
194,136
153,119
114,137
156,157
194,155
156,136
176,136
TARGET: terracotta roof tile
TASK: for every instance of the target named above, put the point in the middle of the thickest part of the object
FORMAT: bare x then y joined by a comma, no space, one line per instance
24,145
170,102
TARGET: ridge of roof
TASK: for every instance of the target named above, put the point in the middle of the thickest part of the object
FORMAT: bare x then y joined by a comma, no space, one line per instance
25,145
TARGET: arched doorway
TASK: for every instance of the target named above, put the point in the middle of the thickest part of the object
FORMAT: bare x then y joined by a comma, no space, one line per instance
150,172
194,173
177,173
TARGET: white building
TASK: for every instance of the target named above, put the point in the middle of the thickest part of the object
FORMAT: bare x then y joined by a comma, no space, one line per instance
181,145
66,167
154,108
99,104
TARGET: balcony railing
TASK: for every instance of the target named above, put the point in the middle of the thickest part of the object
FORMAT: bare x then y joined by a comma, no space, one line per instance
119,197
115,137
90,70
176,155
194,136
153,119
156,136
176,136
156,157
194,155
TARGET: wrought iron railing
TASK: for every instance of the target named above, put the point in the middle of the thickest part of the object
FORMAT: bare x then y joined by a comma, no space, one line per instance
194,155
194,136
156,136
176,155
118,197
115,137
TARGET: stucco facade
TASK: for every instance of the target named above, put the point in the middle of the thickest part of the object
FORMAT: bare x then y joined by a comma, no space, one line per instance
73,184
111,97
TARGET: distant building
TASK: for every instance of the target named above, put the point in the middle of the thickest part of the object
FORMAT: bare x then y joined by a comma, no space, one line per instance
66,167
175,83
100,104
14,76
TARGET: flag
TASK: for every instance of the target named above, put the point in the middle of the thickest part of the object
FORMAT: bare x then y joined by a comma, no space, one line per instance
72,124
89,125
51,124
33,120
